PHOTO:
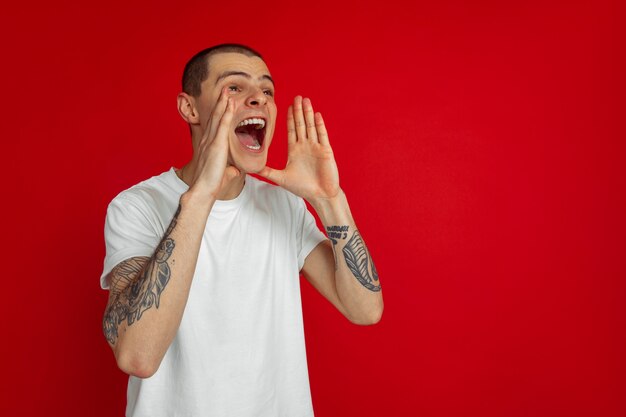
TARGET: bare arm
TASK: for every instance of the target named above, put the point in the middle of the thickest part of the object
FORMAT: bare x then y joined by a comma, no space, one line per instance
148,295
141,318
344,271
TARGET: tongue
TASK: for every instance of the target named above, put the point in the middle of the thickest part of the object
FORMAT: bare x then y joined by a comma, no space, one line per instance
248,136
247,139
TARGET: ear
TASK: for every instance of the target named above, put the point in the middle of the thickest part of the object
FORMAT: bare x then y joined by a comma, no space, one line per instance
187,108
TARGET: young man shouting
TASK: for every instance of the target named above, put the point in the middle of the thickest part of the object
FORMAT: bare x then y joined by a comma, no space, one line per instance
203,262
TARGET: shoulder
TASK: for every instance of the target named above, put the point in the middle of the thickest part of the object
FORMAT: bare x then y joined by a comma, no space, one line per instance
150,193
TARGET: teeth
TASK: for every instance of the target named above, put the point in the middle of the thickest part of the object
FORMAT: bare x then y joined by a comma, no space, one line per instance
254,148
260,123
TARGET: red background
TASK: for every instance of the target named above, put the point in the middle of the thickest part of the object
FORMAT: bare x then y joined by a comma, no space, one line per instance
479,146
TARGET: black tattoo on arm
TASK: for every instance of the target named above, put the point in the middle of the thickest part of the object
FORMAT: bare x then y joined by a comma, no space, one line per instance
334,233
137,284
358,258
360,262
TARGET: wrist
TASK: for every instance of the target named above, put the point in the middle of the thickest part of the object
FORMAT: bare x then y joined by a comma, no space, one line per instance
196,198
328,208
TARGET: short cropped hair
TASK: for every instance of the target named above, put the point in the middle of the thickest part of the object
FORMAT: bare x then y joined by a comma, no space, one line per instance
197,68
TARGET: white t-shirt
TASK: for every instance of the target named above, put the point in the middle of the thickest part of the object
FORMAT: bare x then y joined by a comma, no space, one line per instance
239,350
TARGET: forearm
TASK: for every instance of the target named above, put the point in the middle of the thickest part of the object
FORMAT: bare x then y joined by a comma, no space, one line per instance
147,300
356,278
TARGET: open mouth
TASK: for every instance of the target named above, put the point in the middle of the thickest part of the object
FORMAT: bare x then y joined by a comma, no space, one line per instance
251,132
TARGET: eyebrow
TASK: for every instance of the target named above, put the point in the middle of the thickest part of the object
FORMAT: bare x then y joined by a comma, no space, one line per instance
242,74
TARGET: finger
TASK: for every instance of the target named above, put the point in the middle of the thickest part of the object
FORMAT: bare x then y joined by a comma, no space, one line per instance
299,118
224,123
216,115
309,119
321,129
291,127
274,175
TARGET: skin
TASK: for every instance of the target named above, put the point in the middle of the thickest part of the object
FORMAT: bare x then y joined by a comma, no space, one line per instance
311,170
148,295
247,97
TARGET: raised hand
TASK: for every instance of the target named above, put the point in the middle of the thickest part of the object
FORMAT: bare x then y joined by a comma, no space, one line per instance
210,168
311,171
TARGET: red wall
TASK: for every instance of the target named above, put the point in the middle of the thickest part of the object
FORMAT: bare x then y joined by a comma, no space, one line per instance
480,147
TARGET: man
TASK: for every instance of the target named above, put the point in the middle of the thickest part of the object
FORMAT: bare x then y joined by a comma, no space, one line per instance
203,262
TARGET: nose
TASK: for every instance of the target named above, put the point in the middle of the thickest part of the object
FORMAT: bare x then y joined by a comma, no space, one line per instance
256,98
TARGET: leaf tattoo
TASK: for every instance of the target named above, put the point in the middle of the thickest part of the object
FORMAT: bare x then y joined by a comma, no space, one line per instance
360,262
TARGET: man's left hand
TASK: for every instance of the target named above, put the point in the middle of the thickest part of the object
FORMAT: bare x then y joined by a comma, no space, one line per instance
311,171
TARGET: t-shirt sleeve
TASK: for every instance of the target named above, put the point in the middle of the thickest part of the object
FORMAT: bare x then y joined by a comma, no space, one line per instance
309,235
128,232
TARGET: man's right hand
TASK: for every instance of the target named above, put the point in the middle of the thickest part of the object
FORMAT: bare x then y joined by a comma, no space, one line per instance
211,156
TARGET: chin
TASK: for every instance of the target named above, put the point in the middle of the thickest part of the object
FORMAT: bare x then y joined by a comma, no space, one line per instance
250,165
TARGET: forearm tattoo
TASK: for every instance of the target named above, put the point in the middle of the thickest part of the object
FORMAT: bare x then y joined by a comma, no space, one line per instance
135,288
356,255
334,234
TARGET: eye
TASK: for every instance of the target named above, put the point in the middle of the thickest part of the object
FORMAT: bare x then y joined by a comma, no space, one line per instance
233,88
268,93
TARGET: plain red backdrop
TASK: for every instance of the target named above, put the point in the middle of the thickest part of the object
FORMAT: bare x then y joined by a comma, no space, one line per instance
481,148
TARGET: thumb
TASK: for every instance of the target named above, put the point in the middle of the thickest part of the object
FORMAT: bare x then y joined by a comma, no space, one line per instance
275,175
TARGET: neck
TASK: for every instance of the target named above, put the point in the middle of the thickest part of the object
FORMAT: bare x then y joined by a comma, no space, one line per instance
230,188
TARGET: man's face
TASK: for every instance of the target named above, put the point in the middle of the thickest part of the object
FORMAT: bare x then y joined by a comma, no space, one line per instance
252,91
